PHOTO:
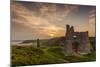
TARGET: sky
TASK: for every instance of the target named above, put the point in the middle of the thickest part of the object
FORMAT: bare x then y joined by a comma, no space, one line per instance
32,20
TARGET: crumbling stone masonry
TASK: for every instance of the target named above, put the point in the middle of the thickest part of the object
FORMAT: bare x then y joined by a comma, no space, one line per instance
76,42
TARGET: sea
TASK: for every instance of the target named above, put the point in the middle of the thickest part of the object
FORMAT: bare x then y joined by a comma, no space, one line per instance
19,43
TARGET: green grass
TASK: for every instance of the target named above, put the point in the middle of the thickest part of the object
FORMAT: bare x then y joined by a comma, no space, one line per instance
28,55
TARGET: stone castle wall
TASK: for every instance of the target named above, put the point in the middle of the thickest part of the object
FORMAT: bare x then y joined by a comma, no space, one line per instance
76,42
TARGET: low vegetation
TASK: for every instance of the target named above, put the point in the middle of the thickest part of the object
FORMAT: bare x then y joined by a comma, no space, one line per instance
29,55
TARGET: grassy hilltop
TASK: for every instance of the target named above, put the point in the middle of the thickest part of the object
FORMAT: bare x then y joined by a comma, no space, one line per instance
51,54
27,55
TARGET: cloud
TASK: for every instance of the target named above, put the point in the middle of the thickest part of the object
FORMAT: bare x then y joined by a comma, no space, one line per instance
92,22
45,19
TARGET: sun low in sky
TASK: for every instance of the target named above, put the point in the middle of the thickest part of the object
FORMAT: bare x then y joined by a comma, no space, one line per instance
52,35
32,20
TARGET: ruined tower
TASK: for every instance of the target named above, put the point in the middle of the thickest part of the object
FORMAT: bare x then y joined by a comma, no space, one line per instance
76,42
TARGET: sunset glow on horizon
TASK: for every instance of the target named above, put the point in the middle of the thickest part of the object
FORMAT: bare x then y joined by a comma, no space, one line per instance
32,20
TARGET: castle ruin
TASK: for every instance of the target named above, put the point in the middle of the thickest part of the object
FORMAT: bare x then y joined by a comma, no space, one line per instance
76,42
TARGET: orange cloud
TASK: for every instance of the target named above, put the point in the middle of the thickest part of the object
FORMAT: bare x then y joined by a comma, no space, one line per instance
45,22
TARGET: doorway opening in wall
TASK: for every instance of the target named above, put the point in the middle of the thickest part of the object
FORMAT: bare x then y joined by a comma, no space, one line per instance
75,46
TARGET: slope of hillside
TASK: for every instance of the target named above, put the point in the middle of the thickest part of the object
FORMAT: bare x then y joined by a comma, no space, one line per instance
28,55
56,41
